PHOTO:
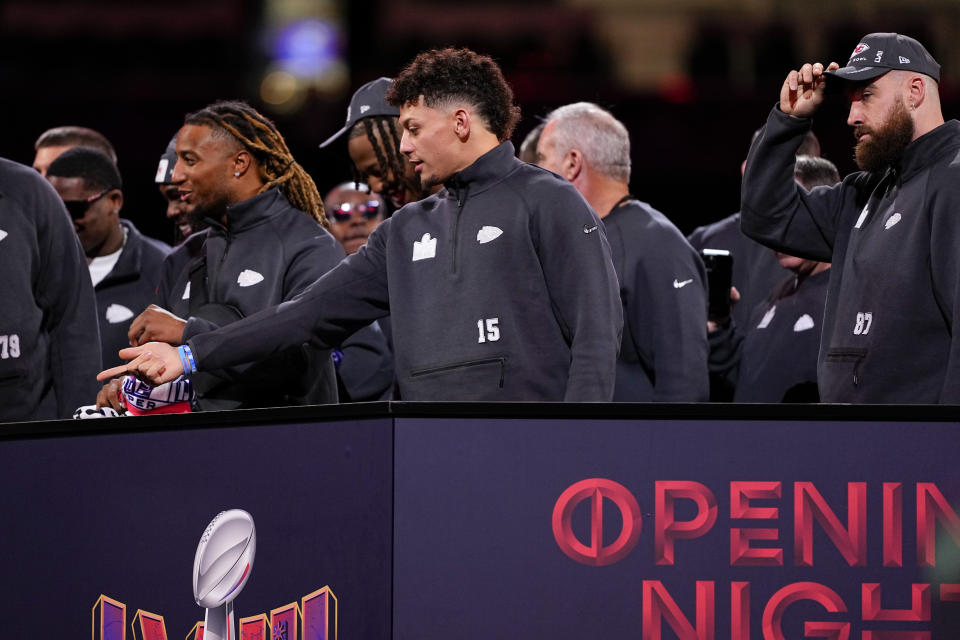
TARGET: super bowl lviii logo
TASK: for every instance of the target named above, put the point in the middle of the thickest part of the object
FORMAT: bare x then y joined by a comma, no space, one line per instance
772,526
221,567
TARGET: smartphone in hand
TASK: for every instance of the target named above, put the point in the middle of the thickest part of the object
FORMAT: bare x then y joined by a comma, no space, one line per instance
719,265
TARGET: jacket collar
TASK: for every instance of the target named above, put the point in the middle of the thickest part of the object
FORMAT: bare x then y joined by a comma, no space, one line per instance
128,264
252,211
486,171
928,148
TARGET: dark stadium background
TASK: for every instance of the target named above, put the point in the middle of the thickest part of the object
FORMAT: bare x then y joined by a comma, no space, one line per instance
133,69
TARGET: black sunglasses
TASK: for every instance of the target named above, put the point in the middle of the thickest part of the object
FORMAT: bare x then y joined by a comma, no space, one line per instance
369,210
78,208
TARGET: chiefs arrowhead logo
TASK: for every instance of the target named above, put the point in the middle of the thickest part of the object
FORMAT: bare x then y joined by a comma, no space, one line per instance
860,49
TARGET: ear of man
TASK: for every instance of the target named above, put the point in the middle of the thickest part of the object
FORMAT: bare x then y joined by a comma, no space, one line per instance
461,120
242,163
116,199
572,164
916,91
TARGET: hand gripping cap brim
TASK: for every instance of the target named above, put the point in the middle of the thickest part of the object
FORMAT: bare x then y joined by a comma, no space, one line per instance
879,53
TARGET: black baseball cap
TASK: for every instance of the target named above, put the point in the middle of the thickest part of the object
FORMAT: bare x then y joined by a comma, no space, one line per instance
369,100
879,53
167,162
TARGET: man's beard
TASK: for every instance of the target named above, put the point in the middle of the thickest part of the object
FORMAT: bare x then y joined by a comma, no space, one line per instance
200,213
885,145
196,217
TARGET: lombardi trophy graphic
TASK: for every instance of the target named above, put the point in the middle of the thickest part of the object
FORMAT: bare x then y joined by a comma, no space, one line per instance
221,568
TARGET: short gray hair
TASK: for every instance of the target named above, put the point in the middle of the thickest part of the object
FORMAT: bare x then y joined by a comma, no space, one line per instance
601,138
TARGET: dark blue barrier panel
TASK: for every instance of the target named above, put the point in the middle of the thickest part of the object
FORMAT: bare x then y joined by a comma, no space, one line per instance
521,528
121,514
503,521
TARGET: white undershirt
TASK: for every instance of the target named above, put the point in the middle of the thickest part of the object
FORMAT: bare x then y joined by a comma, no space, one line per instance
101,266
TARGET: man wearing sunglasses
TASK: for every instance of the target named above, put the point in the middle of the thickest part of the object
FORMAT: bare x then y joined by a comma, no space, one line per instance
49,348
124,265
364,361
353,212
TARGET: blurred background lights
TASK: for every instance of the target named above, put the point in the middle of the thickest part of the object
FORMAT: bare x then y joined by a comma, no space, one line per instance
305,43
307,48
278,87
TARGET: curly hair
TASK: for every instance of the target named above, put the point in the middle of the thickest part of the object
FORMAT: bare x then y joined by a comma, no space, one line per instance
259,136
444,75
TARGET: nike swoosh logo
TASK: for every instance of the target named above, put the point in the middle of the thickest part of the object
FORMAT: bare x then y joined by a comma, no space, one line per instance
587,229
680,285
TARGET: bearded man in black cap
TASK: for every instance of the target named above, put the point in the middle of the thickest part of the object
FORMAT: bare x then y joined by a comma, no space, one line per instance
891,330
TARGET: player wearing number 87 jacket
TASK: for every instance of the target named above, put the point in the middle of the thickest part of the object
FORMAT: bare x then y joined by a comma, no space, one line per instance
891,330
500,286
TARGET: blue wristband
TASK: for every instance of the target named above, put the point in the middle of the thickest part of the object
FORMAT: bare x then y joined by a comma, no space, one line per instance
186,359
183,360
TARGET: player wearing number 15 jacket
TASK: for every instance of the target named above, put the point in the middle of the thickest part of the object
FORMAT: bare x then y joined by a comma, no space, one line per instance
499,287
49,340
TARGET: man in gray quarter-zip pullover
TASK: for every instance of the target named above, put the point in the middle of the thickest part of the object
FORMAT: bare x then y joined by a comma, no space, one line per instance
890,330
500,286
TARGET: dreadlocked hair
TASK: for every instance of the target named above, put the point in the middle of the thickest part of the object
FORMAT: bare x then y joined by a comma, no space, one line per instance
387,149
260,137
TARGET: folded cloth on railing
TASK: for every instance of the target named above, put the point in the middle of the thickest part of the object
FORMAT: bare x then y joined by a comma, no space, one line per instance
139,398
142,399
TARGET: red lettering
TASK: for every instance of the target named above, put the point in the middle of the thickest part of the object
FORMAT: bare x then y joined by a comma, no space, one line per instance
808,505
872,607
667,528
933,507
596,489
739,611
742,492
831,630
773,613
742,555
892,524
950,592
658,604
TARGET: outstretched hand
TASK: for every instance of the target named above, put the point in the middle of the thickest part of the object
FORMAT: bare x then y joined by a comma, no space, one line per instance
155,363
802,90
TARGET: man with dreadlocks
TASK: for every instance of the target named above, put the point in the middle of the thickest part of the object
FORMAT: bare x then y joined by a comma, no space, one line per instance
500,286
266,241
373,143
